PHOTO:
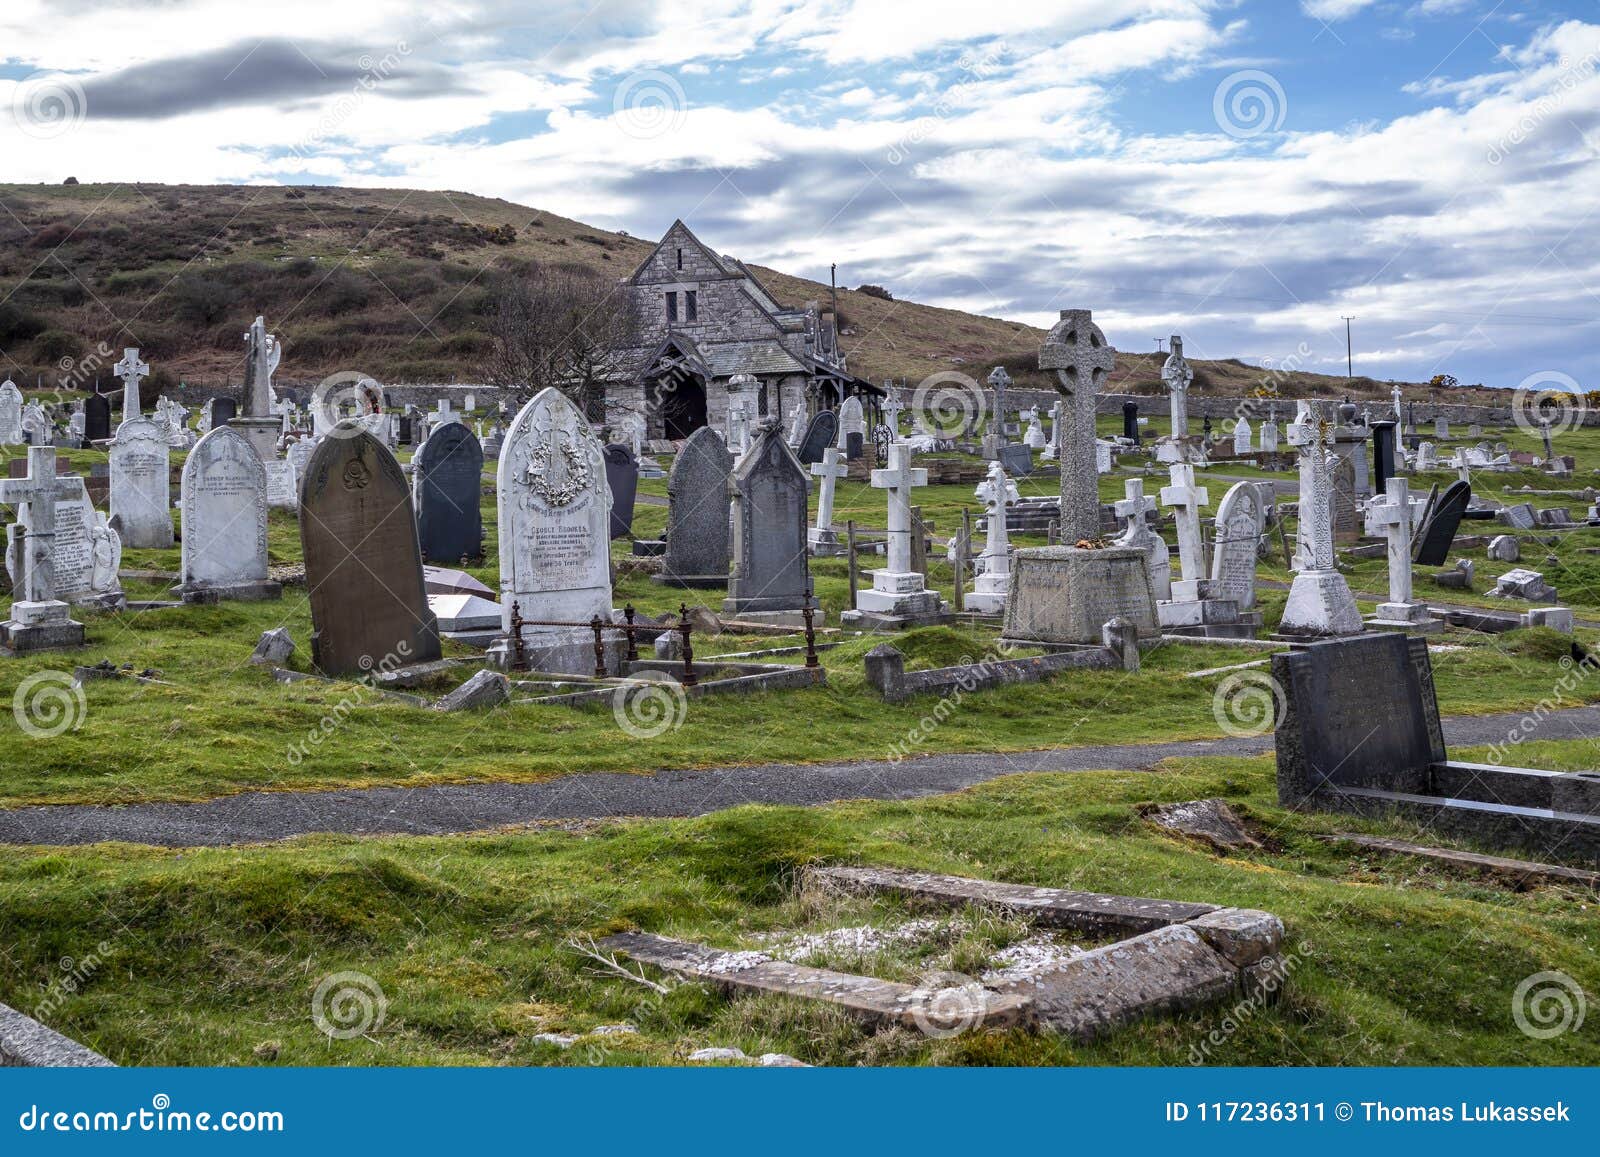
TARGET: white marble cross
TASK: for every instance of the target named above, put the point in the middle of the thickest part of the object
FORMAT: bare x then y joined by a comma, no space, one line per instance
1177,375
35,499
1391,517
1132,508
830,470
899,478
1185,499
892,410
130,369
262,354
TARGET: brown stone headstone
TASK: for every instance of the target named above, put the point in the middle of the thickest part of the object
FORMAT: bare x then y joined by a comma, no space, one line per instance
369,607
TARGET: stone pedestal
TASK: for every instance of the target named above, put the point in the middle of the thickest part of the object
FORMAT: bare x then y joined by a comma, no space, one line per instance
40,626
1320,606
1066,595
823,542
1408,618
989,594
1210,618
250,591
262,433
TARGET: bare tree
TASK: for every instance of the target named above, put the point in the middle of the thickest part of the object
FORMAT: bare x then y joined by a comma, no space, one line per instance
561,326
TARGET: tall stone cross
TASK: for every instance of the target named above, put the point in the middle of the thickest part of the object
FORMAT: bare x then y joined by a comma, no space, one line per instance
898,478
1310,434
999,380
130,369
994,491
830,470
1392,519
892,409
35,499
262,354
1077,351
1177,375
1186,499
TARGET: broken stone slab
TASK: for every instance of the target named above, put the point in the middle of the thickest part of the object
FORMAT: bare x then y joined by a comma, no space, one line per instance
1210,820
273,648
1245,936
867,997
1505,548
25,1043
1522,870
1093,913
485,689
1165,971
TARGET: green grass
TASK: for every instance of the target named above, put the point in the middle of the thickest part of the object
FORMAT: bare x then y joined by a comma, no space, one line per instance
213,956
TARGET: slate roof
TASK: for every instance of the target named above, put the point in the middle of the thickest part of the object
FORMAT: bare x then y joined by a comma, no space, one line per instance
753,357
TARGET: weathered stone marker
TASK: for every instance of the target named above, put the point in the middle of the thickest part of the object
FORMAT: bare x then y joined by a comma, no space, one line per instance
224,491
771,577
1077,351
39,619
449,486
369,608
698,513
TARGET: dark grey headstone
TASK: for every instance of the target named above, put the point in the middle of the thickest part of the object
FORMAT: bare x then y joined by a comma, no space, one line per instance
769,529
1016,459
820,434
697,511
855,445
369,604
622,475
406,436
1383,447
1439,531
449,479
96,418
223,410
1130,421
1354,716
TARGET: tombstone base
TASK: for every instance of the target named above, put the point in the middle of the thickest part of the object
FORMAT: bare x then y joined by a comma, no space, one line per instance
823,543
649,547
778,618
1320,606
22,638
111,601
258,591
873,621
560,651
910,600
1066,594
1407,618
693,581
989,594
262,434
1208,618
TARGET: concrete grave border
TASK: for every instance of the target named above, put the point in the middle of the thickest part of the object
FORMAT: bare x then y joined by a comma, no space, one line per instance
1172,956
27,1044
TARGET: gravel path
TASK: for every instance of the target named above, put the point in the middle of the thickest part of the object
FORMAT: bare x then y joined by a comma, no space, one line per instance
447,808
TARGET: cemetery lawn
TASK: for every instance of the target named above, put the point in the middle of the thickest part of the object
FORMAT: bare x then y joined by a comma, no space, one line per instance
212,956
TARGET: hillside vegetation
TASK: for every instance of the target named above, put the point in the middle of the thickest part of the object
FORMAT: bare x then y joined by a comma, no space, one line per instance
396,283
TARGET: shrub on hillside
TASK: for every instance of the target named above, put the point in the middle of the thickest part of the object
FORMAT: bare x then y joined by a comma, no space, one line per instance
875,291
201,301
56,345
17,324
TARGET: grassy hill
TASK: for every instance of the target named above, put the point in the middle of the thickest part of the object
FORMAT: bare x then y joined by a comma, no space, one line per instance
394,283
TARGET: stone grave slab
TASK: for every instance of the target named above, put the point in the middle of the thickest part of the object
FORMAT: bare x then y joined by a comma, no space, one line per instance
772,575
141,485
224,491
822,433
622,476
1438,532
698,526
1063,594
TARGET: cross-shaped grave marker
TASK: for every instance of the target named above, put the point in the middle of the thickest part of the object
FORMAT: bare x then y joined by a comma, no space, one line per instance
35,499
130,369
1076,349
1185,499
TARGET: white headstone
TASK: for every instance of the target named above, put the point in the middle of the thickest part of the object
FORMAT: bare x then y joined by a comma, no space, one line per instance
822,538
1240,519
897,589
1241,435
1185,499
555,531
140,484
1393,515
224,496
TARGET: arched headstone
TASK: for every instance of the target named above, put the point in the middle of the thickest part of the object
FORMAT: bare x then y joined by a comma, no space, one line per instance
224,493
369,607
449,487
697,513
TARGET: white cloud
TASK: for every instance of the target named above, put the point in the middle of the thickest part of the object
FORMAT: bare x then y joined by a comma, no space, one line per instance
1334,9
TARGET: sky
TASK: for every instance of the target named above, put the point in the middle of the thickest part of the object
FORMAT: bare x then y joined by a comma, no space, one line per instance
1245,173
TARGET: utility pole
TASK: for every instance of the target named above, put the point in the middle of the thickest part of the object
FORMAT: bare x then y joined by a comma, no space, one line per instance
833,282
1349,350
1159,348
